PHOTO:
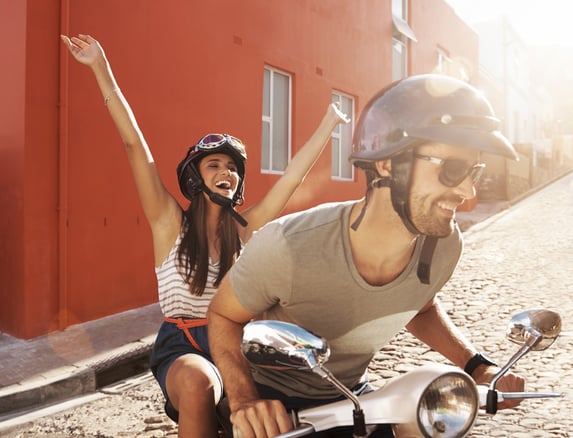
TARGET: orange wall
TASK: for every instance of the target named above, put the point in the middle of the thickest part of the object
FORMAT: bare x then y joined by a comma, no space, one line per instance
189,69
437,25
28,181
76,245
12,91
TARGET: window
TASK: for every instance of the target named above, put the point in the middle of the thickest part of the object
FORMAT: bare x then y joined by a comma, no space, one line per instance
276,121
447,66
342,140
401,33
443,61
398,9
398,59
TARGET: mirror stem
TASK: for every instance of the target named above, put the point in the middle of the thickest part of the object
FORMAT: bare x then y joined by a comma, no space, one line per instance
357,414
491,406
327,375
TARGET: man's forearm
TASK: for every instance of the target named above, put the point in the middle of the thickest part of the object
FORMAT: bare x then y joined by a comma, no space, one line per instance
435,328
224,341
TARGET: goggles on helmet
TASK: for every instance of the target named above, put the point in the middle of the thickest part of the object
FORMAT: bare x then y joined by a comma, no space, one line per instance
454,171
213,141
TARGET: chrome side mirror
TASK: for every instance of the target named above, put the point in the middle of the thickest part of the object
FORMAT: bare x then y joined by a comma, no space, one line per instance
533,329
277,344
536,328
281,345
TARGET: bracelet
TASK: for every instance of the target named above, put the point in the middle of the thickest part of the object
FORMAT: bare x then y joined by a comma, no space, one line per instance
111,93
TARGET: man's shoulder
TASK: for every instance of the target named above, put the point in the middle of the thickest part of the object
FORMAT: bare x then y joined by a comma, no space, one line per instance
315,217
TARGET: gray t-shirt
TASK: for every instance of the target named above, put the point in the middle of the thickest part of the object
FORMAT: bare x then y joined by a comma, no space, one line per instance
299,269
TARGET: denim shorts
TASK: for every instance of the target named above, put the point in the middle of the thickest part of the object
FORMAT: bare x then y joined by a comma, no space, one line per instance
171,343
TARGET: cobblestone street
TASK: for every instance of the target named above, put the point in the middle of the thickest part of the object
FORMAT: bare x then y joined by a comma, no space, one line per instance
521,259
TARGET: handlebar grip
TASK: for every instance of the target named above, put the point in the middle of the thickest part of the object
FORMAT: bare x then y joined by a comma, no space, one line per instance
483,394
492,401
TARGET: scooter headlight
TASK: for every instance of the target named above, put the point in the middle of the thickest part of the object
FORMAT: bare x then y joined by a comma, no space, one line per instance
448,407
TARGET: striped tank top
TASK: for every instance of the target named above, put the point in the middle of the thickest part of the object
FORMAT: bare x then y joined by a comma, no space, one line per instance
175,298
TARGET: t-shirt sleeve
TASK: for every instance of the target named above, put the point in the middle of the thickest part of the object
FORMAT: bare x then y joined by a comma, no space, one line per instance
261,276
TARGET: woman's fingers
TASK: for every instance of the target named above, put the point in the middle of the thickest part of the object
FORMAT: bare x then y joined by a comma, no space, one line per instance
79,42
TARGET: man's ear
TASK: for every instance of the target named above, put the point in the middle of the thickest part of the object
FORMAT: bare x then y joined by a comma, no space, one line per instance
384,168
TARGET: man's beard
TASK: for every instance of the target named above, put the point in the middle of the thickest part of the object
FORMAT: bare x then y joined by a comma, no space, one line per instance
423,214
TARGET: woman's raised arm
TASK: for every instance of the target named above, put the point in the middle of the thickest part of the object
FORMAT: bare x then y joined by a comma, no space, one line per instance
160,208
277,197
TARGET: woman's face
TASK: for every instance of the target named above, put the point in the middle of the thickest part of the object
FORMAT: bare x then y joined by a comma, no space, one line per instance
220,175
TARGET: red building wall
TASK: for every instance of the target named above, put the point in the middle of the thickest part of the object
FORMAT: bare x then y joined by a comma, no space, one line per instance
437,26
29,167
12,89
75,243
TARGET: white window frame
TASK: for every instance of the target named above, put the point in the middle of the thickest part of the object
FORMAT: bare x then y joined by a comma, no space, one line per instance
447,66
399,58
444,60
399,9
342,135
400,39
273,149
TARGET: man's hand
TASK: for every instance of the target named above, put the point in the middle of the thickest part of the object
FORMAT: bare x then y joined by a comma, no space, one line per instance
483,375
260,419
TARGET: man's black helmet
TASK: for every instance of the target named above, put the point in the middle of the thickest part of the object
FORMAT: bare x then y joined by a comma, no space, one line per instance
420,109
413,111
190,181
426,108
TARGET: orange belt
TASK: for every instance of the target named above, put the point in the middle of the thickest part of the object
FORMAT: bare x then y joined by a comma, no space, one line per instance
185,324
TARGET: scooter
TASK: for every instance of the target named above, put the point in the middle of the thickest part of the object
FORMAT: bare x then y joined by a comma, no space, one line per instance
431,401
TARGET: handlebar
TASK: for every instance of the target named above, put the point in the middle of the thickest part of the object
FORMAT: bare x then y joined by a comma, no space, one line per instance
298,432
501,396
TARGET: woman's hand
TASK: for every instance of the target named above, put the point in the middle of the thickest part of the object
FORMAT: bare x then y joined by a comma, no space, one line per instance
84,48
336,113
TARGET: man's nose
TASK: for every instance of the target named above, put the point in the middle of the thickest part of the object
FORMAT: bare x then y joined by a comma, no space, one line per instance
466,188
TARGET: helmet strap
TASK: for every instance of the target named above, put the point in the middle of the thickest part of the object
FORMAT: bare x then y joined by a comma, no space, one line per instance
374,184
430,242
380,182
425,260
358,220
400,192
400,187
225,203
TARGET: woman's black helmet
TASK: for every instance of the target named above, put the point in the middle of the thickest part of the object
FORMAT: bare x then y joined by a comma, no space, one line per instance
190,181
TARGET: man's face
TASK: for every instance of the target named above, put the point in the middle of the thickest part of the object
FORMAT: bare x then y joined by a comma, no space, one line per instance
433,202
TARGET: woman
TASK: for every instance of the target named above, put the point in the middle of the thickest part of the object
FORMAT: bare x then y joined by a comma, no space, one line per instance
194,248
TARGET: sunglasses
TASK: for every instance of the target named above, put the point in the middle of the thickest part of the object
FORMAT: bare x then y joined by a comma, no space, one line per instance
454,171
212,141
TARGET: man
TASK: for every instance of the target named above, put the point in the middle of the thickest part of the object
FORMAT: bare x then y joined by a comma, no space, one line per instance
357,272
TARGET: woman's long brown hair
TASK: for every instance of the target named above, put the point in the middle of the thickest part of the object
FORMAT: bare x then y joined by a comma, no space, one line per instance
193,253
